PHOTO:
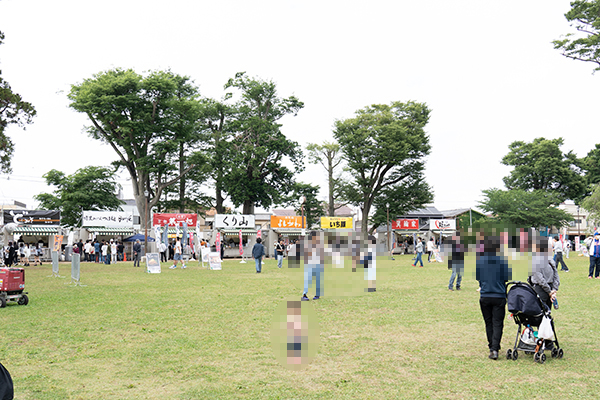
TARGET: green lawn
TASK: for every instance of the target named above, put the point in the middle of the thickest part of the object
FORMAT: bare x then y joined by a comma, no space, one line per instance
200,334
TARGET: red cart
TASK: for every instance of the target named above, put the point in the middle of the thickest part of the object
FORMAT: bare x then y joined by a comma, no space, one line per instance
12,286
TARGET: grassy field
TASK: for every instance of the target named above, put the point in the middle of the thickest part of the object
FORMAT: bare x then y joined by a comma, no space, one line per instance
200,334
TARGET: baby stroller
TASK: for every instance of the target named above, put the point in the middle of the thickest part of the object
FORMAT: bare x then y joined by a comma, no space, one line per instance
528,310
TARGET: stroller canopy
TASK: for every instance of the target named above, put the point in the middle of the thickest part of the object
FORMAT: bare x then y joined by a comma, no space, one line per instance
522,299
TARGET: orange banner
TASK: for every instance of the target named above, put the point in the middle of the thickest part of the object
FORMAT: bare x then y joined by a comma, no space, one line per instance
57,242
287,222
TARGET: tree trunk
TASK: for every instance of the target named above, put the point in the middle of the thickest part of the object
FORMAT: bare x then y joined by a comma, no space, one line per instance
331,199
248,208
182,180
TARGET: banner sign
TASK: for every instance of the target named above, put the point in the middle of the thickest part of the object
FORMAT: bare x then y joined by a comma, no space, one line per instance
205,251
214,260
153,263
32,217
58,239
234,221
405,224
442,224
336,222
241,245
218,243
108,219
174,219
286,221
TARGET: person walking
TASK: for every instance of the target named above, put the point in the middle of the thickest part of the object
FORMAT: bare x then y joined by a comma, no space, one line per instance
419,253
492,272
314,255
558,253
97,248
178,255
120,251
430,249
137,253
456,261
595,257
162,248
279,249
544,277
258,252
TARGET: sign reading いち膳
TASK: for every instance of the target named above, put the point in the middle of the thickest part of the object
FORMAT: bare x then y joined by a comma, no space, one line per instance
108,219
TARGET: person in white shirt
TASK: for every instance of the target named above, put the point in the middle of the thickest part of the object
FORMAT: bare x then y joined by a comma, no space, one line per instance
113,251
162,248
430,249
104,251
558,252
178,255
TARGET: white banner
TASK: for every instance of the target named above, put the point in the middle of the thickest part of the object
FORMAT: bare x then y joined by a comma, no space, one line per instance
234,221
108,219
442,224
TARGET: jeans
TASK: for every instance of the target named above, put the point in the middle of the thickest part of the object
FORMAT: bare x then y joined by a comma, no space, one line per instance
493,311
559,260
97,257
258,264
136,259
419,258
315,270
457,271
594,264
279,260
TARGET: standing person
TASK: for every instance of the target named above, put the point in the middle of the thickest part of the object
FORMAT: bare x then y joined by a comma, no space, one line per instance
544,278
120,250
595,257
105,252
91,252
567,248
279,249
492,272
162,248
22,253
27,254
113,251
314,255
178,256
86,251
419,253
456,261
558,253
37,253
80,246
137,253
430,249
171,251
97,251
258,252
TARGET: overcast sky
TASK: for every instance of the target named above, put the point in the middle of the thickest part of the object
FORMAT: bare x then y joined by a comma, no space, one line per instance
487,70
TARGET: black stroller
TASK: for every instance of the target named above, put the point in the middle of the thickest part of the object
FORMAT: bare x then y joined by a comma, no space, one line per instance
528,309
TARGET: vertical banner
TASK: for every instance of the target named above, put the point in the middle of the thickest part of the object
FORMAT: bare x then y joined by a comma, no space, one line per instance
165,235
57,243
241,245
259,234
184,238
218,243
576,243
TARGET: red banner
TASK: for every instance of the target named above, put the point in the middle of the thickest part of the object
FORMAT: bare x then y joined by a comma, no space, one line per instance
218,243
405,224
241,245
174,219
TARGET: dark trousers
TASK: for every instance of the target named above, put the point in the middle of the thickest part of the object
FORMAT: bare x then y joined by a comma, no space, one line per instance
594,264
493,311
559,259
163,256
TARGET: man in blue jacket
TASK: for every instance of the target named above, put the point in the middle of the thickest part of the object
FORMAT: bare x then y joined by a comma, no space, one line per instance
492,272
258,252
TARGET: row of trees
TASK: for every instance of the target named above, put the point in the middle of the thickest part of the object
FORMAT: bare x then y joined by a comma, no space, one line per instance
176,145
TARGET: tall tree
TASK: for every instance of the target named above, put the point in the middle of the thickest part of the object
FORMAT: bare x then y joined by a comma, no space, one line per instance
384,147
313,207
329,156
89,188
591,164
592,205
139,116
13,110
584,45
541,165
525,208
256,175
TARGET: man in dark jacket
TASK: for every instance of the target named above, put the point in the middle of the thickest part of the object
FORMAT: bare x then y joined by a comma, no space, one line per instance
258,252
492,272
137,253
6,384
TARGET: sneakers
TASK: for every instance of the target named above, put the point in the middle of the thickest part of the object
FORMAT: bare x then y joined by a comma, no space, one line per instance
589,277
493,355
173,267
316,298
183,266
304,298
413,265
458,288
371,289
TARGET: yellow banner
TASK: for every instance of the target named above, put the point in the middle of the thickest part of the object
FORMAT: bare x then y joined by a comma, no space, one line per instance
57,242
336,222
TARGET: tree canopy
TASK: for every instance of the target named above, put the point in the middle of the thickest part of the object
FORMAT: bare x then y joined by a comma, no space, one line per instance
329,156
592,205
89,188
144,119
525,208
584,44
541,165
384,147
13,110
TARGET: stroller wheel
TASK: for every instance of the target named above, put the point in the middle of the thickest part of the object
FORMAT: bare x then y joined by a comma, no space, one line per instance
542,358
509,354
554,353
560,353
515,355
536,357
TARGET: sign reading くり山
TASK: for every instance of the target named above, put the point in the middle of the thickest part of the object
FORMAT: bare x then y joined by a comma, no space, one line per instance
234,221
